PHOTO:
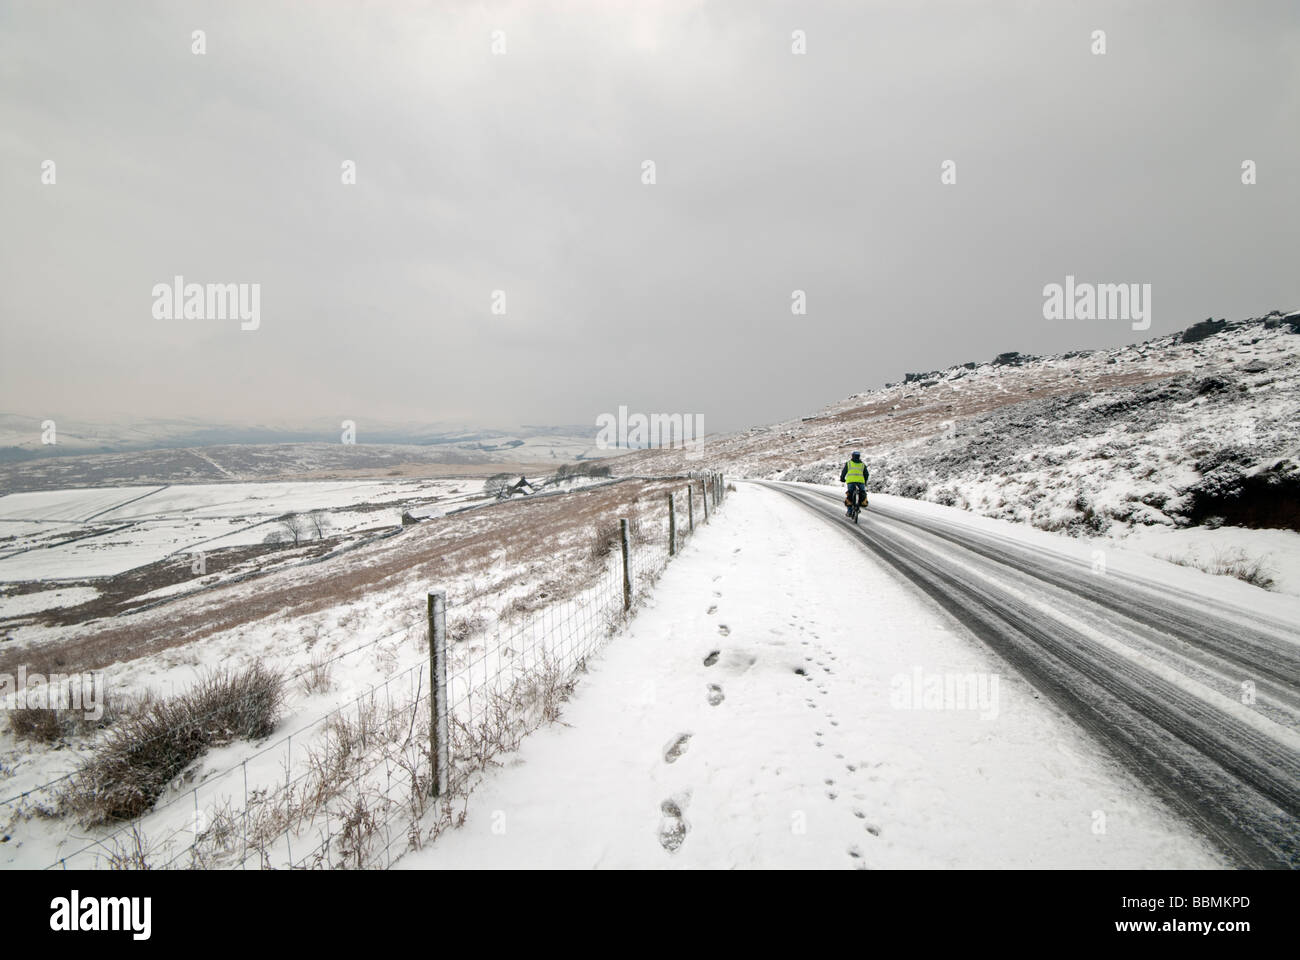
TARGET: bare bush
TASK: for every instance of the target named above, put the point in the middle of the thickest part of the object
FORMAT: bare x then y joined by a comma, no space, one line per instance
39,724
49,724
462,628
133,852
145,751
607,540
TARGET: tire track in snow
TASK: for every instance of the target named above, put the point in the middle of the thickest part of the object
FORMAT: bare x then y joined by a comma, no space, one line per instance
1238,786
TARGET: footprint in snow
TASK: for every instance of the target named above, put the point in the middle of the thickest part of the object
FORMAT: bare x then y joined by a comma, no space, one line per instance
672,828
712,658
713,608
716,696
724,630
676,748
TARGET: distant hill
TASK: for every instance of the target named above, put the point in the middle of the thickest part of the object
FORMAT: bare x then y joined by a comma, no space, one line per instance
1198,427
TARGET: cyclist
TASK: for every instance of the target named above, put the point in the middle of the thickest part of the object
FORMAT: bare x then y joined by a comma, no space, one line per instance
855,474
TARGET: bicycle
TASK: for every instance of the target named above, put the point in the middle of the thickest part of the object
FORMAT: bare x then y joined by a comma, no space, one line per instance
855,504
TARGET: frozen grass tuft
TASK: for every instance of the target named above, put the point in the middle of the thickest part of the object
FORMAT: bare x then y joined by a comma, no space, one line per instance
1231,563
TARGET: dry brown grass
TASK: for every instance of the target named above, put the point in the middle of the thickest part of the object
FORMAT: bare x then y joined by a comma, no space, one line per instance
318,677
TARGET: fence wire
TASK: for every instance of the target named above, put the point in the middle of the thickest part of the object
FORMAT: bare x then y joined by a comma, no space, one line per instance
352,787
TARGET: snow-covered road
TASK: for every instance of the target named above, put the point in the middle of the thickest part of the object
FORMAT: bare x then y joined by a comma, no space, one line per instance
1197,696
790,700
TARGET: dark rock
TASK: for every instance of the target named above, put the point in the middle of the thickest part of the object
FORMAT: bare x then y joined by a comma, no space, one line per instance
1203,330
1255,366
1012,358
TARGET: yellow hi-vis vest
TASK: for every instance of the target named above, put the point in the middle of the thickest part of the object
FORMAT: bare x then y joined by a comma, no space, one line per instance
855,472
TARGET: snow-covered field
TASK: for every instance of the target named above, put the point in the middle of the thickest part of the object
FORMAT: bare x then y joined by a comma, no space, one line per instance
140,545
75,534
364,612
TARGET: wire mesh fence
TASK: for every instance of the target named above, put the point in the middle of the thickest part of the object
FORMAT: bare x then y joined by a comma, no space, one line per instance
355,786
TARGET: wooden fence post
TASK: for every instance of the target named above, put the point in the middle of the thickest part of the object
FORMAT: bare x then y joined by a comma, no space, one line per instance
627,570
439,730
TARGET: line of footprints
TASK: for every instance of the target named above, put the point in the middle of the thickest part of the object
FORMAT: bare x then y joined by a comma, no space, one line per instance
809,674
673,827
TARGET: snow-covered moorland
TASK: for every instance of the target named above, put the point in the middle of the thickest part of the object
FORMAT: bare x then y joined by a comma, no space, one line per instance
528,581
1191,432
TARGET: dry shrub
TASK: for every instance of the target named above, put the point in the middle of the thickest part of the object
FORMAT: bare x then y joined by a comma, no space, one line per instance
133,852
463,628
608,539
51,724
541,596
147,750
359,827
319,676
40,724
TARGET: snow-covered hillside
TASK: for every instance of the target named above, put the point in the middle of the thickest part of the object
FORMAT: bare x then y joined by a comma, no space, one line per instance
1195,429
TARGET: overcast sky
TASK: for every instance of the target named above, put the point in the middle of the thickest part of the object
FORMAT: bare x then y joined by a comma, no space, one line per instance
522,172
